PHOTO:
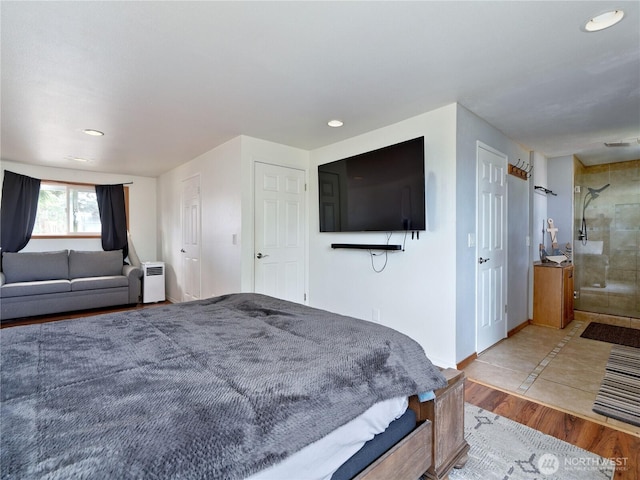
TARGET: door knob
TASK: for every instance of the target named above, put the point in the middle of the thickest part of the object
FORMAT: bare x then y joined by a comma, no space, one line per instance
182,250
260,255
482,260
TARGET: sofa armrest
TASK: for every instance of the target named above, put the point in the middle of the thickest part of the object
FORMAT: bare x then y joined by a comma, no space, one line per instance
131,271
133,274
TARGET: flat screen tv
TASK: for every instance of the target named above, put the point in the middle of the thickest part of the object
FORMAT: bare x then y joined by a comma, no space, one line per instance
381,191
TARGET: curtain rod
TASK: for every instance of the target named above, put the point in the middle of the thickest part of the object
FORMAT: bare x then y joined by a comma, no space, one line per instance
81,183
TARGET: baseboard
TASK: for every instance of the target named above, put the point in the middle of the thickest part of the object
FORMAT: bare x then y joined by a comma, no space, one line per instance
515,330
465,362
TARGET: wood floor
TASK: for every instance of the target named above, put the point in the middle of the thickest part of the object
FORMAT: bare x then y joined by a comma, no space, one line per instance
82,313
607,442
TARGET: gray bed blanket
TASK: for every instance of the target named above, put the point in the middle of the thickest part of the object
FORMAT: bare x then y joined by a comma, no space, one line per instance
216,389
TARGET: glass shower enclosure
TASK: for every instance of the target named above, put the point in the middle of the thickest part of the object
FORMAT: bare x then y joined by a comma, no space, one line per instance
606,249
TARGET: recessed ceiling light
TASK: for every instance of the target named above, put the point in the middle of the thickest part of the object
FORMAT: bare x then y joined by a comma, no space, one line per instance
604,20
79,159
92,132
335,123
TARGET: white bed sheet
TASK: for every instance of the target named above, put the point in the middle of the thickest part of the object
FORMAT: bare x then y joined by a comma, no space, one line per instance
319,460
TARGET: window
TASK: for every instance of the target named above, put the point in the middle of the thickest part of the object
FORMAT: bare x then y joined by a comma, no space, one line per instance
68,210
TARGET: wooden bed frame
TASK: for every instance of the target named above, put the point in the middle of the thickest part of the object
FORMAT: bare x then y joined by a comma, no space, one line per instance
436,445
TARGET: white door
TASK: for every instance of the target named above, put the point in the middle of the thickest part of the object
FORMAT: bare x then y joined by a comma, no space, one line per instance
190,251
279,232
491,285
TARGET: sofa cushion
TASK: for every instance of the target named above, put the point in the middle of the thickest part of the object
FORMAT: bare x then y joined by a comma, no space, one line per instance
35,266
95,263
95,283
22,289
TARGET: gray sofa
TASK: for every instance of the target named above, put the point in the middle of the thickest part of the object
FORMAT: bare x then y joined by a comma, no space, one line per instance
39,283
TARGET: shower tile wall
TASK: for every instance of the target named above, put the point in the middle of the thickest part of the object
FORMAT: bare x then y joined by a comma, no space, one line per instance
607,273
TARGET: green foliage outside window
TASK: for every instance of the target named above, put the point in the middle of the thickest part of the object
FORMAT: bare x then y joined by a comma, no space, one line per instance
67,210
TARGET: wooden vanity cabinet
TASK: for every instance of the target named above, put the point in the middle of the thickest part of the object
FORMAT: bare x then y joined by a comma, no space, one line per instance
552,294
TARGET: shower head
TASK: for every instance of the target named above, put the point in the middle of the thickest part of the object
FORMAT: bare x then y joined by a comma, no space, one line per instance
592,194
595,192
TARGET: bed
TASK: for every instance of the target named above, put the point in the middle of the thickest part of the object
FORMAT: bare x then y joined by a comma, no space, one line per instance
223,388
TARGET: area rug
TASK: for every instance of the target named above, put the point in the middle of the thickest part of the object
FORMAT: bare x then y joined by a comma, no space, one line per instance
619,395
612,334
502,449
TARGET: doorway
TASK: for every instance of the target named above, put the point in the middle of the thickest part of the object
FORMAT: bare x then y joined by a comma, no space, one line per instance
280,226
191,234
491,271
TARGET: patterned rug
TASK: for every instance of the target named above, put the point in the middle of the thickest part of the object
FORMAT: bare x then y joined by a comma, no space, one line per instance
612,334
619,395
502,449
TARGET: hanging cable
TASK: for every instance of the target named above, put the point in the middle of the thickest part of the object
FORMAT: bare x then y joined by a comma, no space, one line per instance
386,256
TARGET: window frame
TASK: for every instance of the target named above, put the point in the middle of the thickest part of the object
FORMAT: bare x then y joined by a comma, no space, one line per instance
81,235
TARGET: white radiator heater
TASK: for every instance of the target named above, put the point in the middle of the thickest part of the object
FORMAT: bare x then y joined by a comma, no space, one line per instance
153,282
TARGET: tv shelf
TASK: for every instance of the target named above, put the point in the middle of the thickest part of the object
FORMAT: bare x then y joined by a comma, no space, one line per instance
365,246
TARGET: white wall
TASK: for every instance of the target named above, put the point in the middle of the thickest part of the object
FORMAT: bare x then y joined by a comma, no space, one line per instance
226,181
555,174
415,294
540,200
142,208
470,130
539,216
220,195
560,206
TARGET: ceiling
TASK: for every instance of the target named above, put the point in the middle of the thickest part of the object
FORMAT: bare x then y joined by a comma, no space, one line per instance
168,81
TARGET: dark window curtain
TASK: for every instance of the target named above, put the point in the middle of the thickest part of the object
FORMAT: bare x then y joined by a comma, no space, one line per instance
113,218
19,206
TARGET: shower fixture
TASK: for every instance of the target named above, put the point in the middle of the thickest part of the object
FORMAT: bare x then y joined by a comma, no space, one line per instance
592,194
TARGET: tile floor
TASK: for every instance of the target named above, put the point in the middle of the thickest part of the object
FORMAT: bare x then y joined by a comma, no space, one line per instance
553,367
